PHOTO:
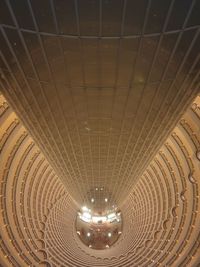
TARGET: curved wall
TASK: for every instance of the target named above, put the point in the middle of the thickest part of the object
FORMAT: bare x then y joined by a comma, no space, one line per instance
99,88
161,216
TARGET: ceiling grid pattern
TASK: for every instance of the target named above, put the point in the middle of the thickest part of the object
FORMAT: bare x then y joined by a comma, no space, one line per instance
99,100
160,220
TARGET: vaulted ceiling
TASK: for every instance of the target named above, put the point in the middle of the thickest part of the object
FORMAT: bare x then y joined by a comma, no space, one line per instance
108,94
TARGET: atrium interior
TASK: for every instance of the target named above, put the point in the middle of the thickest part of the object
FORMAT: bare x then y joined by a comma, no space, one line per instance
100,133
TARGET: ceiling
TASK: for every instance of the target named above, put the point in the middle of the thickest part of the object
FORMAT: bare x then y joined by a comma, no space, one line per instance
100,86
160,217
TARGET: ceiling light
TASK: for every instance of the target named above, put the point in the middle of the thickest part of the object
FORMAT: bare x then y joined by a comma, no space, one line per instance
99,219
112,215
84,208
87,215
106,200
92,200
98,227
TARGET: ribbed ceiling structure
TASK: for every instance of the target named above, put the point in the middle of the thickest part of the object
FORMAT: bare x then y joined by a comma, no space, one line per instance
108,90
161,215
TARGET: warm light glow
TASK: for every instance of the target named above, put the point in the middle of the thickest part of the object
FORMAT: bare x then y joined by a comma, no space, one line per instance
111,215
86,216
85,208
99,219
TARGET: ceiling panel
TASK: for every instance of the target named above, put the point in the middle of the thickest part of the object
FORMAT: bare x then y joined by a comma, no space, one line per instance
98,87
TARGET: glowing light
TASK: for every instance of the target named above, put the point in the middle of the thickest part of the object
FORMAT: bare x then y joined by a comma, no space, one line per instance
106,200
98,227
86,216
111,215
92,200
85,219
85,208
99,219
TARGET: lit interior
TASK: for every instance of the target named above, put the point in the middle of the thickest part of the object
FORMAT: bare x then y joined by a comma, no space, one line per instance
86,216
98,230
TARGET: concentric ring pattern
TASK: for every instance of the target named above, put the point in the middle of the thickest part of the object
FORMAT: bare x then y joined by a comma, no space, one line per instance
161,216
99,84
103,94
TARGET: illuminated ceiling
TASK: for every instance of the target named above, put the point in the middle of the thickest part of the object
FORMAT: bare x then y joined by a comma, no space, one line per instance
100,86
